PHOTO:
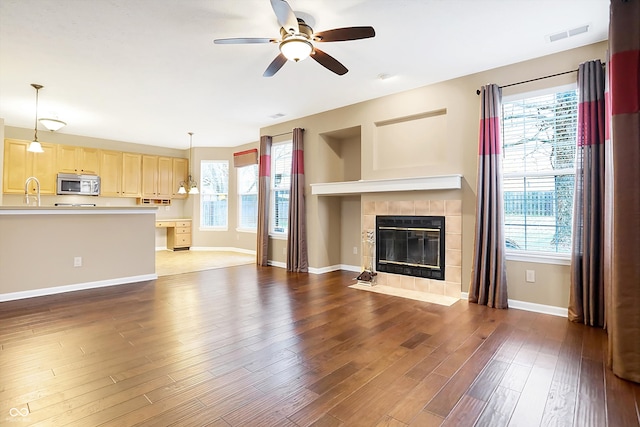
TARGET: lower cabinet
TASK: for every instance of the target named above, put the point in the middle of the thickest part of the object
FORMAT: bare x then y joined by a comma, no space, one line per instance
178,233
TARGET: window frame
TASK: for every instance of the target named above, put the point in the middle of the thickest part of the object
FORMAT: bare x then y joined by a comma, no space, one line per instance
532,256
283,235
240,227
203,197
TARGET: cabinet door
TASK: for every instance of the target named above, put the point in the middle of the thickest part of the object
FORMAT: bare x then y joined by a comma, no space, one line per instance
67,158
180,175
17,167
89,161
150,177
131,174
44,168
111,176
165,177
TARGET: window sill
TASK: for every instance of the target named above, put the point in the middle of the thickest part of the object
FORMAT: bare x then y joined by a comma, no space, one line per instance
278,236
213,229
246,230
539,257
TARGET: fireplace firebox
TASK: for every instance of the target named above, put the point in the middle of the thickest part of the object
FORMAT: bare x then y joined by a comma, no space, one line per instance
411,245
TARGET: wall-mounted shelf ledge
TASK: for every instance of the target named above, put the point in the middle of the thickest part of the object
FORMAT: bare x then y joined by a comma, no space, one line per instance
442,182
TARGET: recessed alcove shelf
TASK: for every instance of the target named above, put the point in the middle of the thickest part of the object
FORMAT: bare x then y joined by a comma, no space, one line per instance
441,182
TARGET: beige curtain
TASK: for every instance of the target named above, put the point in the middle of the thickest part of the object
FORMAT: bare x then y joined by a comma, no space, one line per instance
297,259
264,188
586,297
622,278
488,274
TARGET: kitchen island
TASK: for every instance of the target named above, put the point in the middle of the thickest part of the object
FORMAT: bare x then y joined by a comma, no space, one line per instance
49,250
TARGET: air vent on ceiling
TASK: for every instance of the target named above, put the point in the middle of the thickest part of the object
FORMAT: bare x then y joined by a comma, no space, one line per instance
568,33
277,115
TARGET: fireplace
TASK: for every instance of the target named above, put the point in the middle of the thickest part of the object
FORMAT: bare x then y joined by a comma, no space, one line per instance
411,245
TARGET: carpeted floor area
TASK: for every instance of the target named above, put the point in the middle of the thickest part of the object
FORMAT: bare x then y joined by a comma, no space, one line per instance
169,262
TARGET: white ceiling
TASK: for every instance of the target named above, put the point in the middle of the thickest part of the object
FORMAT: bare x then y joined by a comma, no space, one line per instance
147,71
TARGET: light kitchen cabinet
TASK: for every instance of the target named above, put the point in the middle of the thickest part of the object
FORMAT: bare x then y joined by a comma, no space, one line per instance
111,175
19,164
131,175
157,177
80,160
180,175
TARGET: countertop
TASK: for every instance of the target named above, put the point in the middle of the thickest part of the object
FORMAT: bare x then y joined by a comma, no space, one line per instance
75,210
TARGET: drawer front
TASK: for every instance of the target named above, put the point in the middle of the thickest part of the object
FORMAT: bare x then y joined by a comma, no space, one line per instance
183,240
183,224
165,224
183,230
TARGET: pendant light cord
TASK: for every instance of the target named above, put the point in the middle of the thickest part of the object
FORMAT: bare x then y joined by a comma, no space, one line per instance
35,127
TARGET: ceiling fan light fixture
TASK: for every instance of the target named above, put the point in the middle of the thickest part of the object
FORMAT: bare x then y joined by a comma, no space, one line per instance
296,48
52,124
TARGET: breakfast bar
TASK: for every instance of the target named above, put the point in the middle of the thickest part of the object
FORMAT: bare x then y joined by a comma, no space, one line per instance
49,250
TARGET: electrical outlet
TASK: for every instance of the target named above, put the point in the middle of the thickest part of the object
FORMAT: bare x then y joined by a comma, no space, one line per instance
167,208
355,250
531,276
77,261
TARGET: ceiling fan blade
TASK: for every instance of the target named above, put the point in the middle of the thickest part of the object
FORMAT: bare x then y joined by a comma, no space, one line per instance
344,34
286,18
244,40
329,62
275,65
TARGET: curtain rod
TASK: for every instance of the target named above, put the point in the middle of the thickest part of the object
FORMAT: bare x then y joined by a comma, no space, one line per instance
533,80
283,134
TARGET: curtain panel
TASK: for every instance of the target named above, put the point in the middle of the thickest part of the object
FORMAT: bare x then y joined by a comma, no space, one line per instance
488,274
297,257
264,188
622,280
586,298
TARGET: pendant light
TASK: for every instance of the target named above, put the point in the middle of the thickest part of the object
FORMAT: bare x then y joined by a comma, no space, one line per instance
35,146
191,184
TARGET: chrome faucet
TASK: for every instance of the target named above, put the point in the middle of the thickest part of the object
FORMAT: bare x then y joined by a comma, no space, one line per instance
26,190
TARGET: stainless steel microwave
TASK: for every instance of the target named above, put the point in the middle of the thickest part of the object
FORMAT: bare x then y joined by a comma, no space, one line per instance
87,185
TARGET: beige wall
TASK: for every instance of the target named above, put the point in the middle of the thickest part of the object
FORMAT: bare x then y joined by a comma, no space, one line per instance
444,117
37,251
1,156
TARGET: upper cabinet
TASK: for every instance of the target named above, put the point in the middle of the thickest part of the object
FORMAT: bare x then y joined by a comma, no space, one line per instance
180,175
80,160
131,175
19,164
121,174
111,173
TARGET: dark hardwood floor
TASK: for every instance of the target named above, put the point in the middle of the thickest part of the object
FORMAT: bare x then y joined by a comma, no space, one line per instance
247,346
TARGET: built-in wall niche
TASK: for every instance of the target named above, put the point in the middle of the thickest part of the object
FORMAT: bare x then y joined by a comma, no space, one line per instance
340,152
411,141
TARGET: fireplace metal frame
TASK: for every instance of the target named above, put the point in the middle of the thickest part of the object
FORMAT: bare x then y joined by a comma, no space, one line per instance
412,223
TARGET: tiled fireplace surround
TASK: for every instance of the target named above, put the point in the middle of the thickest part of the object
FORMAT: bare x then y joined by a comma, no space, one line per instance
452,211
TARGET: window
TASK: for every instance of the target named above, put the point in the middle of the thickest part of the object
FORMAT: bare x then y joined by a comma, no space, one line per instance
214,192
280,185
539,147
248,197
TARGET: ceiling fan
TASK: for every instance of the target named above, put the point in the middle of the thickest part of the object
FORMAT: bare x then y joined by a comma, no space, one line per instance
296,40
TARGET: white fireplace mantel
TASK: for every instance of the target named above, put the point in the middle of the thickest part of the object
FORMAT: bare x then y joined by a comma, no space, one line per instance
442,182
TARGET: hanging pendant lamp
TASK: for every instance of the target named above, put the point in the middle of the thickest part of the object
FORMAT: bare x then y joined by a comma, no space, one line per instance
35,146
191,186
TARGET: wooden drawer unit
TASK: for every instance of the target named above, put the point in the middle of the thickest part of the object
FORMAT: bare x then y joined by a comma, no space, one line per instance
178,233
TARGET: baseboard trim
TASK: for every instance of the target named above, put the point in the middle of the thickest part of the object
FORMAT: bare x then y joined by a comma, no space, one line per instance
531,306
222,249
12,296
277,264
